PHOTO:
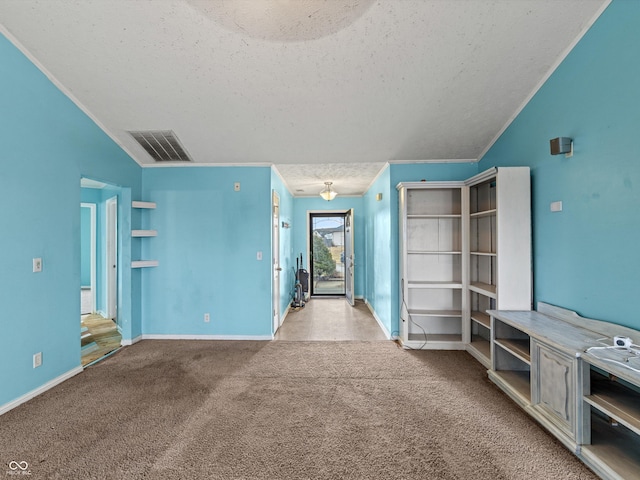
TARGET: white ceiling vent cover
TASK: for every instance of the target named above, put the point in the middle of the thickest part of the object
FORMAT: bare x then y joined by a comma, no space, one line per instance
162,145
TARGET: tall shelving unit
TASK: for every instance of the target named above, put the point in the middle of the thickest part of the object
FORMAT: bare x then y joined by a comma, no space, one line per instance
499,251
145,206
433,266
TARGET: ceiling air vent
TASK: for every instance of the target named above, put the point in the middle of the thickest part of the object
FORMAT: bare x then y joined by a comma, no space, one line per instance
162,145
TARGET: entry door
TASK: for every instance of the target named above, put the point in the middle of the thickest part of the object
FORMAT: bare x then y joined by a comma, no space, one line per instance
349,258
326,249
276,261
112,258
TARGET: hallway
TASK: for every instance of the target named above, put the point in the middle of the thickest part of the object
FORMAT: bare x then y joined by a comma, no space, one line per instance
330,319
99,336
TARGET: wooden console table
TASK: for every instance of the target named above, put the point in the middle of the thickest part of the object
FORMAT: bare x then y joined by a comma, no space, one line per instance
557,367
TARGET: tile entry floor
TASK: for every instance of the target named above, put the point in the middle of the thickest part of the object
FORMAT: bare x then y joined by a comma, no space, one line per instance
330,319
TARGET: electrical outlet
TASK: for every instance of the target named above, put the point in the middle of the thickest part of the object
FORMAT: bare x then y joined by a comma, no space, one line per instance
623,342
207,318
37,265
556,206
37,359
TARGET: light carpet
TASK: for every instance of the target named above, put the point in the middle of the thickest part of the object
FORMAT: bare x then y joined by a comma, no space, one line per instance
281,410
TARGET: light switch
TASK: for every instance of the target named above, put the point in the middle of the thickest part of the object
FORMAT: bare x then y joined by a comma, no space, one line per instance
236,186
259,256
556,206
37,265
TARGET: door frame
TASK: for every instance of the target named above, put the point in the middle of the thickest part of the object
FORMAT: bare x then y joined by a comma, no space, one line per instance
111,276
349,259
93,251
339,212
275,263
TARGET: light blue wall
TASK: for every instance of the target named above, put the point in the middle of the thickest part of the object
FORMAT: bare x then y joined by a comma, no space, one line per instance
301,207
207,244
40,195
586,257
378,251
287,261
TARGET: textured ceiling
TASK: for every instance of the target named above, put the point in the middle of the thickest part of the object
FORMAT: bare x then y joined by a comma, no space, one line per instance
311,86
347,178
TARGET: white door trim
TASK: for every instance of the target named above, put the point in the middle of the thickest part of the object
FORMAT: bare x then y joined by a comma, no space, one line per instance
308,240
112,257
275,263
349,259
92,254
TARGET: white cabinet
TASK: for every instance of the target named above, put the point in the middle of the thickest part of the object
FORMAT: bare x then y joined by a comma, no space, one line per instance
554,378
433,222
499,250
143,206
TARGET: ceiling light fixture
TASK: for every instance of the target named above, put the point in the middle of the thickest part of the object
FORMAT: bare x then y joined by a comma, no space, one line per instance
283,20
327,193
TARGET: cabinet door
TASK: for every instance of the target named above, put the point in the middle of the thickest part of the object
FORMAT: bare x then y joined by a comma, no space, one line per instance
553,392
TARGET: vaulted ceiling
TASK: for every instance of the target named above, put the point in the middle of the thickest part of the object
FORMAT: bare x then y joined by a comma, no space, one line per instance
326,90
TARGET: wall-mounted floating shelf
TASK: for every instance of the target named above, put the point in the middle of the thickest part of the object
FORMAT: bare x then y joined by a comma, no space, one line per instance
143,234
138,204
144,263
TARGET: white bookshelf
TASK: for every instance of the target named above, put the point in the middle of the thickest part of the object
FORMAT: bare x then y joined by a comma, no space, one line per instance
433,265
499,246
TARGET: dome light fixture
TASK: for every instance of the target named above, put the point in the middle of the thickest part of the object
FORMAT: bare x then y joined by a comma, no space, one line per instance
283,20
328,194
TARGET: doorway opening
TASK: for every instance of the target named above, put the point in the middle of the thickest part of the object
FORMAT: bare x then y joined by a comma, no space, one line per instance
99,333
331,254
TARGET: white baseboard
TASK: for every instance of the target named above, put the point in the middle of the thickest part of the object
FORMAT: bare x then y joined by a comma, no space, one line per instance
153,336
284,316
128,342
43,388
384,329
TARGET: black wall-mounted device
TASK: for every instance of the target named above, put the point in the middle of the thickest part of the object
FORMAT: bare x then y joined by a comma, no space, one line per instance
560,145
